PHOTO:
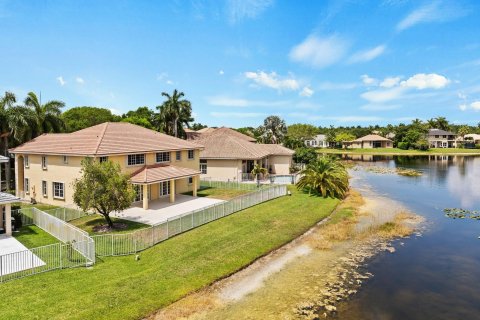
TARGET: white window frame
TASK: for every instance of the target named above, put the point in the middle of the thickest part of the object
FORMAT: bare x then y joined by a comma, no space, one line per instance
26,162
63,189
103,159
203,166
26,185
65,159
162,157
162,187
44,188
44,162
192,151
178,155
136,155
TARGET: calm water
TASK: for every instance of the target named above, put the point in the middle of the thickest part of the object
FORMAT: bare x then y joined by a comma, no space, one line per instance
436,276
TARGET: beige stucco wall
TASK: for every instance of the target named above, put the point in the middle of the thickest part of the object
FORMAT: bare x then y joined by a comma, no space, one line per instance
369,145
223,169
280,164
57,171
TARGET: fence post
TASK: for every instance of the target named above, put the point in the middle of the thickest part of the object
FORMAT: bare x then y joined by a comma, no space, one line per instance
60,255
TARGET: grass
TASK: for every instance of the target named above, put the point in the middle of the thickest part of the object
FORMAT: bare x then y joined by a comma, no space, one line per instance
122,288
39,206
89,222
218,193
396,151
33,236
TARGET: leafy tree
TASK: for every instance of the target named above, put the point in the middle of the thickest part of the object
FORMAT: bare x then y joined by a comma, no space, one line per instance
293,143
343,137
79,118
197,126
259,170
439,123
143,116
46,117
249,131
305,155
330,135
302,131
325,176
273,130
463,130
143,122
174,113
103,188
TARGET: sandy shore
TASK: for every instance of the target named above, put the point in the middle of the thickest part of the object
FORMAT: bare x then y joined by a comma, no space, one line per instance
307,277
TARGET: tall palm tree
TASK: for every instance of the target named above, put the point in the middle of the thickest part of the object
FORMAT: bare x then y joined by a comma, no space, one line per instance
45,117
174,113
273,130
325,176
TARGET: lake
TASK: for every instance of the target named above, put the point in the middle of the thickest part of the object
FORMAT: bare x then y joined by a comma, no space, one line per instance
437,275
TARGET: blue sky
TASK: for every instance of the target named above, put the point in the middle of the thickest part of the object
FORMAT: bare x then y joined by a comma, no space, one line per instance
319,62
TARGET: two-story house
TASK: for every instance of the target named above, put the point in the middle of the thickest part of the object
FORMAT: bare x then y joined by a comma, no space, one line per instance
159,165
438,138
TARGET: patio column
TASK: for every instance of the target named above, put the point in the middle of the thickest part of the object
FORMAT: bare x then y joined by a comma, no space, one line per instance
195,185
145,196
172,191
1,217
8,219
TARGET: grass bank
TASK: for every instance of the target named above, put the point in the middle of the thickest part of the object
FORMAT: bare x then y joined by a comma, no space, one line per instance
396,151
122,288
219,193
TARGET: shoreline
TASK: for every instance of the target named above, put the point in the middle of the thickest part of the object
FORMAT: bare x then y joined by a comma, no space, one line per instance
396,153
313,268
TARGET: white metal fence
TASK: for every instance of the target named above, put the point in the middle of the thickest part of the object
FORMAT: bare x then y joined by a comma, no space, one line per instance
130,243
229,185
67,214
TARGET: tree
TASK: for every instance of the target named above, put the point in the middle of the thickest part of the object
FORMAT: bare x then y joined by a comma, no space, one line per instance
259,170
293,143
305,155
439,123
79,118
342,137
103,188
197,126
302,131
143,122
273,130
326,177
463,130
174,113
45,117
143,116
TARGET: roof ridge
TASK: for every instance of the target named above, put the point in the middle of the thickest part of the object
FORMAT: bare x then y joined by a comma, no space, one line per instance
102,134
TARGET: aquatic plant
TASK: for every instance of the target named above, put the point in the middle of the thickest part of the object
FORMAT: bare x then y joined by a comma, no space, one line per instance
458,213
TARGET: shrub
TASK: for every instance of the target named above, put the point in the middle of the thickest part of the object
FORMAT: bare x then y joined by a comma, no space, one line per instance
477,146
422,145
403,145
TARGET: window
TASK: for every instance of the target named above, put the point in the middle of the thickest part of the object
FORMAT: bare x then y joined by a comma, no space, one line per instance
444,137
65,160
163,157
164,188
191,154
178,155
136,159
44,188
58,190
203,166
27,186
190,180
26,162
44,162
103,159
437,136
138,192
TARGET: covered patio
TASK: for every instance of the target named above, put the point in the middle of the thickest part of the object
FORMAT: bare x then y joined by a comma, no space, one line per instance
161,209
6,200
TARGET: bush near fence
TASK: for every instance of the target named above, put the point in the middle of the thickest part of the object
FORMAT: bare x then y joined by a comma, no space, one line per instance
131,243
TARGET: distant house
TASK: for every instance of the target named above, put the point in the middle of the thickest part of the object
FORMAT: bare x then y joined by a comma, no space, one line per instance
370,141
231,155
438,138
319,141
471,140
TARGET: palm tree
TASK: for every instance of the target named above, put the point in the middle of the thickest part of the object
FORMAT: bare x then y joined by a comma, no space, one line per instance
273,130
258,170
174,113
439,123
45,117
326,176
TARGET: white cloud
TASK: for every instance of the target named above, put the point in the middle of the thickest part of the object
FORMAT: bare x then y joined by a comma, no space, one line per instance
319,52
225,101
367,80
380,96
475,105
436,11
162,76
79,80
425,81
237,114
337,86
238,10
390,82
115,111
367,55
306,92
221,72
170,82
61,81
463,107
343,119
272,80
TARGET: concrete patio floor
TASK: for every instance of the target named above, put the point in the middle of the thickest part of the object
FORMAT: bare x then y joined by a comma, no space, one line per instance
16,257
160,210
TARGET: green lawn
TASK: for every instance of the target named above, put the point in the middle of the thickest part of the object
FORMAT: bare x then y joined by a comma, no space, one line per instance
218,193
39,206
396,151
89,222
122,288
33,236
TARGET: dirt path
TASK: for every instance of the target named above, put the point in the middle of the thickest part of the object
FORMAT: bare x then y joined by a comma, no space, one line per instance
301,279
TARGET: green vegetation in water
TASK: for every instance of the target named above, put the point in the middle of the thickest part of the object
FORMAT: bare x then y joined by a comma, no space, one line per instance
399,170
458,213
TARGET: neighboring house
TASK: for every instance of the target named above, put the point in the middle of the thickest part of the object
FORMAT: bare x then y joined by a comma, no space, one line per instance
471,140
159,165
390,135
438,138
231,155
3,185
370,141
6,200
319,141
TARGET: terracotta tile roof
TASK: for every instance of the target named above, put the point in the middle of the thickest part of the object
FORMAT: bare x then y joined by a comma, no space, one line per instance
105,139
225,143
371,137
160,172
220,131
